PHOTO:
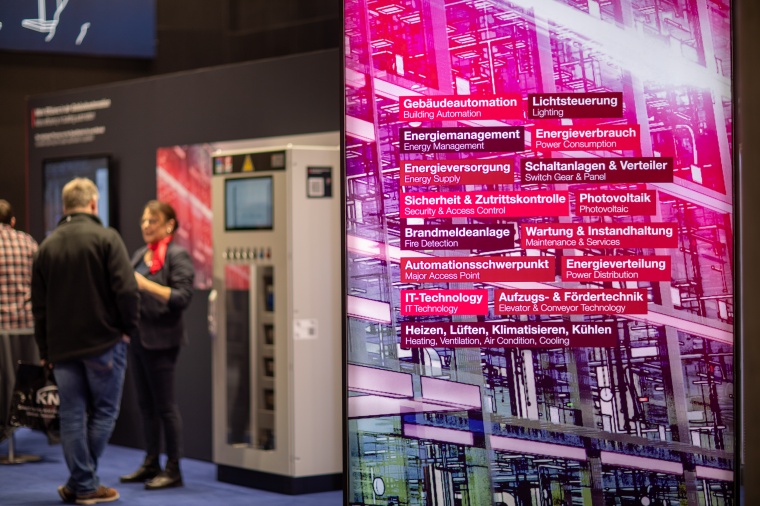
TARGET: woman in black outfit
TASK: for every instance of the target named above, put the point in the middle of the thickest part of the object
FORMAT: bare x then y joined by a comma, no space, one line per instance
164,273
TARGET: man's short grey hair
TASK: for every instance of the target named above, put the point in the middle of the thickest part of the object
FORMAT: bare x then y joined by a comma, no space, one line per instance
78,193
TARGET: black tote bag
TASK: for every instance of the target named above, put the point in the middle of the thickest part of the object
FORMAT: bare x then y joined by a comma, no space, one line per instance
35,402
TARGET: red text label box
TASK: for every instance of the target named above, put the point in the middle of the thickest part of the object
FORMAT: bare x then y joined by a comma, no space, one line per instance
453,237
598,235
596,170
599,138
484,204
443,302
570,301
462,140
508,335
616,268
615,202
477,269
575,105
461,107
456,172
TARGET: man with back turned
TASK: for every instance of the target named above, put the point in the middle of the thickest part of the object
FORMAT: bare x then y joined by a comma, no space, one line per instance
86,307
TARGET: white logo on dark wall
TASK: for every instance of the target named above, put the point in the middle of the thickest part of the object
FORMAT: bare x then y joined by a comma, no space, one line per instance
48,396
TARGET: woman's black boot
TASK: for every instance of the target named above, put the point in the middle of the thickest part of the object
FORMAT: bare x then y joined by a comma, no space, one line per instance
149,470
169,477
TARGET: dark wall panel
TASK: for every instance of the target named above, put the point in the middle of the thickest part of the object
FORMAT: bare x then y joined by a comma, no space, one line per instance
28,74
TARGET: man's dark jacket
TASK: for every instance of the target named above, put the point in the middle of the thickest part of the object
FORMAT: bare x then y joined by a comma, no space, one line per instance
84,293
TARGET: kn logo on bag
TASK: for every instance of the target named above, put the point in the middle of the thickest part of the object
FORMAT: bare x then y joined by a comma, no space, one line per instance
48,396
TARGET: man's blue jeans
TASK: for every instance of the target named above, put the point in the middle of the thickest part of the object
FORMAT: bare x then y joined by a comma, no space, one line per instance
90,392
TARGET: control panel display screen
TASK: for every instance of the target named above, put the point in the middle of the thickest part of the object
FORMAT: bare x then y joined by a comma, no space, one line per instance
248,203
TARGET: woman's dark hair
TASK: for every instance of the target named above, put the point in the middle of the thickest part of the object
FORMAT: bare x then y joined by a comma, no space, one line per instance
164,208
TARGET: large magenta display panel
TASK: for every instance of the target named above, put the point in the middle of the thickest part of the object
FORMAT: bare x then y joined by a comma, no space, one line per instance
539,244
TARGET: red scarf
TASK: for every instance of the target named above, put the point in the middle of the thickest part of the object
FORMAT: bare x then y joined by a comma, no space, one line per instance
159,253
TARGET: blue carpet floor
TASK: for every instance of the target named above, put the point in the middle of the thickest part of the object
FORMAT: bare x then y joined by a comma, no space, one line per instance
35,484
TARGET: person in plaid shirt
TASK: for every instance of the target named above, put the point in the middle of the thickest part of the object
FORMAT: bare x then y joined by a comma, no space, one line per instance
17,250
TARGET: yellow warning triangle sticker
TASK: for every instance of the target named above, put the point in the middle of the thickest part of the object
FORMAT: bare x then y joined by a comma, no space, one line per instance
248,164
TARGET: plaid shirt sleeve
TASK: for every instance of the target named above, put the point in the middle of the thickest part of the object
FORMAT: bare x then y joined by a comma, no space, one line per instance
17,251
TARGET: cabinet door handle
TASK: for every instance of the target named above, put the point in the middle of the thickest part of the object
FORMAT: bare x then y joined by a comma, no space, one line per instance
212,295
